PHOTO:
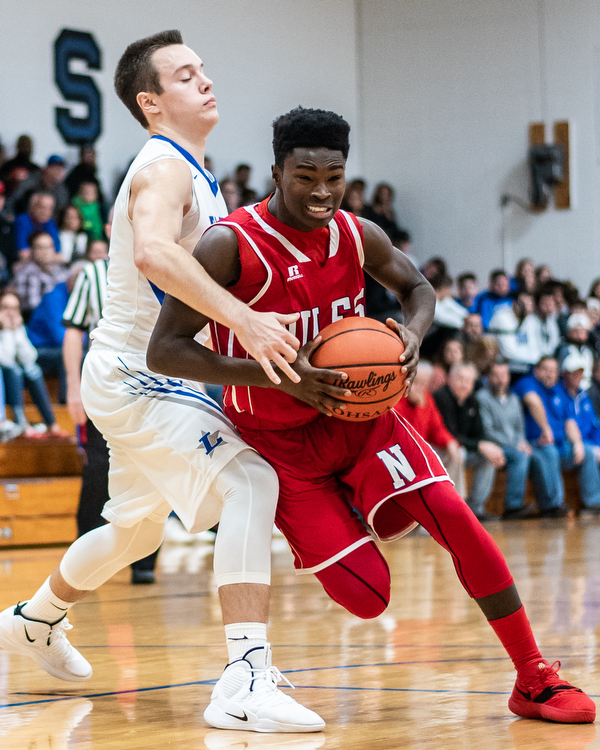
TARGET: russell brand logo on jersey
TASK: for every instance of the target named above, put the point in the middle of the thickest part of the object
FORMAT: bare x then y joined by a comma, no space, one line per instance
294,273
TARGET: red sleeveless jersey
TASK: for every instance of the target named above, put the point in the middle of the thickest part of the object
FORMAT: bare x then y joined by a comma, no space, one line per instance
317,274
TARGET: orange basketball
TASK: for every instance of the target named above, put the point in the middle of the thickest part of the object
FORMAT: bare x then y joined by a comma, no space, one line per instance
368,352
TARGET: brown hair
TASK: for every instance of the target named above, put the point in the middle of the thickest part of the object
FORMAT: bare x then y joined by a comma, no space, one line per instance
136,72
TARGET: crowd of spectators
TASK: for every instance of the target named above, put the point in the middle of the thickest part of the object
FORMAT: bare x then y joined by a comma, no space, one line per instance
51,220
509,376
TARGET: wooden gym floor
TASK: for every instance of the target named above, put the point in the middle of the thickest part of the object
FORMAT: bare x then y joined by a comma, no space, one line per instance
427,674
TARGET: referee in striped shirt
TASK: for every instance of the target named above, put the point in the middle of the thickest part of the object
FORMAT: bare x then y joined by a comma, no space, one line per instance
81,316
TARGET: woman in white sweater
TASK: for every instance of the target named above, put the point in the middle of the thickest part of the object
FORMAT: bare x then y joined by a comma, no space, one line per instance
18,360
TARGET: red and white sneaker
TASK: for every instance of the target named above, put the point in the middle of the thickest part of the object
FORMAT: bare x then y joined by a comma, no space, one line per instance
539,693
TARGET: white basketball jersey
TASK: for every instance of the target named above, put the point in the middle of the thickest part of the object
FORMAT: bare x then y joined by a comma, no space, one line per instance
132,302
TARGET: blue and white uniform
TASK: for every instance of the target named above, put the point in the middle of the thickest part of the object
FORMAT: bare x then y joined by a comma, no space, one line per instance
168,440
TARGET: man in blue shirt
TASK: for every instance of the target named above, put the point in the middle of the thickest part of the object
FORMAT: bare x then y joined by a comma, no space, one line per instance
551,428
498,293
37,219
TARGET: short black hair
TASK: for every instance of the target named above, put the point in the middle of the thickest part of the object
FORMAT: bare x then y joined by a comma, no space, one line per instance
309,128
135,71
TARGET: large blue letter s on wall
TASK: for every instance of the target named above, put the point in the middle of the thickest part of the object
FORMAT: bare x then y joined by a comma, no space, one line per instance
74,87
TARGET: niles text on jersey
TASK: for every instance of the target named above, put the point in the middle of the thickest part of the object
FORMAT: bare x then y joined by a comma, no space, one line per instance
307,327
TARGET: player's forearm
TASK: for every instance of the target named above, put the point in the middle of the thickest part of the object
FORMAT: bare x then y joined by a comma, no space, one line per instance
182,357
418,308
72,356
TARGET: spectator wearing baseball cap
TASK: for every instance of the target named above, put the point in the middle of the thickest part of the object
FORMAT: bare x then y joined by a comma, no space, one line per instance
8,247
578,331
50,179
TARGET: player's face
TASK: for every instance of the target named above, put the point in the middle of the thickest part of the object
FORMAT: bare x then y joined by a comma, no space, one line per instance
187,101
310,187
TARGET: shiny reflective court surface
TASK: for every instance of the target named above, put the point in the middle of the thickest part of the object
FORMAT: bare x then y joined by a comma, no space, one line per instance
428,673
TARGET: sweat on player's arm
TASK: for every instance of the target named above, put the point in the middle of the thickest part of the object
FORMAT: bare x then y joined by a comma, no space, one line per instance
391,268
156,216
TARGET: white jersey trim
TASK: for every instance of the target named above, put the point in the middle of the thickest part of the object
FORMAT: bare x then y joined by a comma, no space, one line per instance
298,254
254,246
335,558
359,243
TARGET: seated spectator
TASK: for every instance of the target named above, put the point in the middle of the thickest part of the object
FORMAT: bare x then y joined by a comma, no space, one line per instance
594,389
242,179
524,279
38,276
354,197
419,410
84,171
19,368
496,295
552,431
467,289
17,169
516,331
482,353
460,410
49,179
88,204
96,250
73,240
504,425
543,275
575,344
8,245
448,312
46,331
595,289
593,313
548,335
381,211
37,219
472,329
588,420
434,267
451,353
230,193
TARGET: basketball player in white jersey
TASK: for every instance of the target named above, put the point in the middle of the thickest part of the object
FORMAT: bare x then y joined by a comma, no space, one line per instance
171,447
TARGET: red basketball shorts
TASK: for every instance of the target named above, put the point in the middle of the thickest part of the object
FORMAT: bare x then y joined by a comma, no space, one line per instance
327,468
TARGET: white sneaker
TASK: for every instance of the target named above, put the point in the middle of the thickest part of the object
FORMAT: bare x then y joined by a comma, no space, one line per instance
46,644
247,698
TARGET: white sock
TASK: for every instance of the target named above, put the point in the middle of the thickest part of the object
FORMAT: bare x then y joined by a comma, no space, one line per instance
243,636
45,606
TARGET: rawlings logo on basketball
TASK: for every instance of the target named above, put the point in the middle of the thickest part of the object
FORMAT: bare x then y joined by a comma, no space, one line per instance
368,352
368,386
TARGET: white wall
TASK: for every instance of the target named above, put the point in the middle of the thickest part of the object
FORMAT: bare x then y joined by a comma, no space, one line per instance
447,89
439,94
264,57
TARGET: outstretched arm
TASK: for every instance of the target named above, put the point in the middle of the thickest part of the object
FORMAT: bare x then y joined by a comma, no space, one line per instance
160,195
390,267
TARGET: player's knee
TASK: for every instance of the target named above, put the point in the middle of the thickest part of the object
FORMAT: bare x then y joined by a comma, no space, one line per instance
360,582
260,474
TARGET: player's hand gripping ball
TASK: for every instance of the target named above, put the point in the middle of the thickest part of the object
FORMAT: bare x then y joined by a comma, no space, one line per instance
368,352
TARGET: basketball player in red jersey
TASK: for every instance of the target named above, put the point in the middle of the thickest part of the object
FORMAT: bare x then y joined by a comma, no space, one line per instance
297,252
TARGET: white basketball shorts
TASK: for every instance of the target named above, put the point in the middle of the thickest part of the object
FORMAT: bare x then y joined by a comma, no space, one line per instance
168,440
